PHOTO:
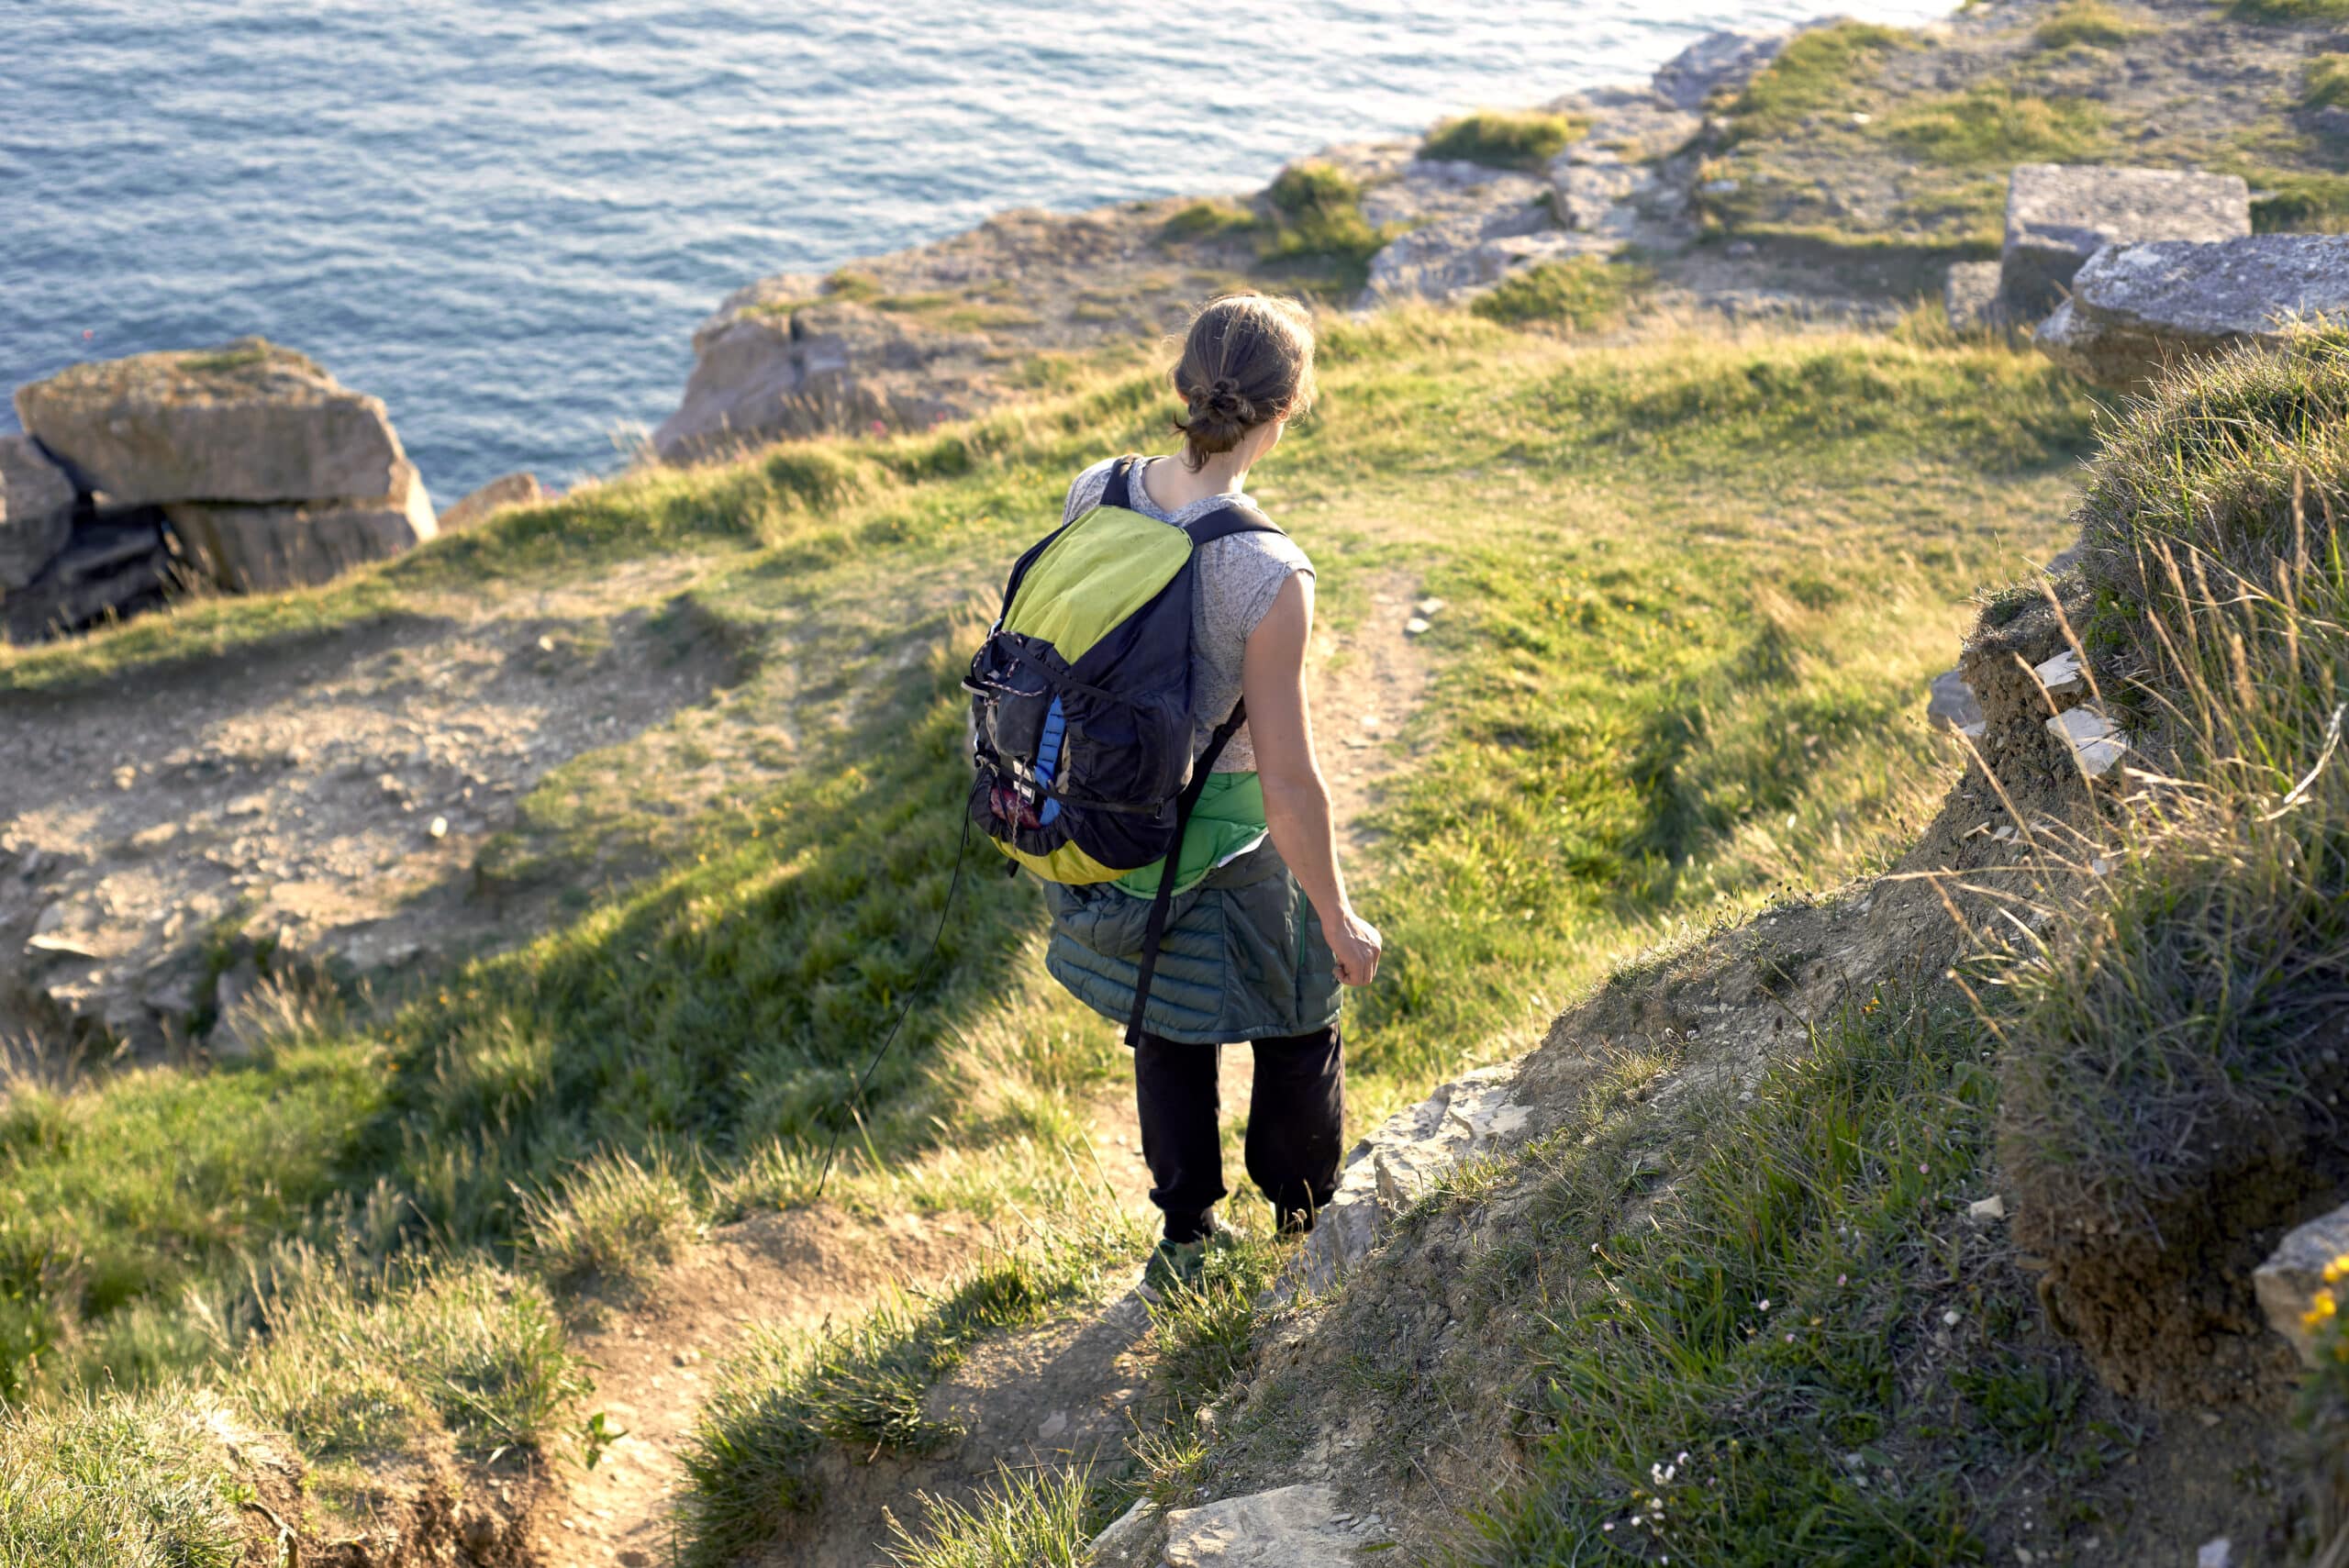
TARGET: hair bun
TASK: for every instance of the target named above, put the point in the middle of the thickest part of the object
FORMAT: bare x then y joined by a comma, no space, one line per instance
1221,400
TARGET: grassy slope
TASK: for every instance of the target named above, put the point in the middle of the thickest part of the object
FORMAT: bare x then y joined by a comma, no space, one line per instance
1696,591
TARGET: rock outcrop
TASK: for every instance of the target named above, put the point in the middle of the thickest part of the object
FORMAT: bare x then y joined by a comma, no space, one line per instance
2137,310
266,548
1716,64
768,367
247,464
508,490
2059,215
246,422
1398,1164
36,511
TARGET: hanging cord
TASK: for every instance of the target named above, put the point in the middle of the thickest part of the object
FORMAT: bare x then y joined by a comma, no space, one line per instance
856,1095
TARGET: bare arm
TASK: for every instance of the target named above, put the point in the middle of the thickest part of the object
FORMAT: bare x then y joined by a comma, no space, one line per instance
1296,801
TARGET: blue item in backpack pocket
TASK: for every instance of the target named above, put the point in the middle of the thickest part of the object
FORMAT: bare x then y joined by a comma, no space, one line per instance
1048,756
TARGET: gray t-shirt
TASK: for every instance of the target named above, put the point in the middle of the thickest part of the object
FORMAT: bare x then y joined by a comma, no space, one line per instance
1238,578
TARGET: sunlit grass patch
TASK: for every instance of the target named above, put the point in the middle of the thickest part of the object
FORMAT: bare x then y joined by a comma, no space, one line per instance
1318,217
2089,22
1585,293
1504,139
613,1222
350,1370
1041,1518
107,1481
1994,125
1824,70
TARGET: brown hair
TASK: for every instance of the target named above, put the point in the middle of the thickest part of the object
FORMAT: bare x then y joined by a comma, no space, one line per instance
1247,358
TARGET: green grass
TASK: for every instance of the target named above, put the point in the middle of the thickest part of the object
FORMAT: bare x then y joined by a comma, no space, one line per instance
2288,11
1032,1520
1696,588
1824,71
2172,1044
1504,138
2091,23
1996,126
1210,219
2294,202
1583,295
1608,760
350,1373
2325,81
116,1483
1734,1369
613,1223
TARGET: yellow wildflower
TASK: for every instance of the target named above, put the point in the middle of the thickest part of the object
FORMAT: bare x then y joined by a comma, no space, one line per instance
2321,1308
2337,1270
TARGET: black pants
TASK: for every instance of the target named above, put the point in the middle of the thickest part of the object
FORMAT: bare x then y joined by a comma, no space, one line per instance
1295,1127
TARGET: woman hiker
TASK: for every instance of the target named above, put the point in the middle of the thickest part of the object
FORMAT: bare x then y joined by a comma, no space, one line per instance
1257,950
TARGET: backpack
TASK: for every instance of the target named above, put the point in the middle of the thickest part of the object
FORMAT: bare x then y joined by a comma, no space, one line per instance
1081,713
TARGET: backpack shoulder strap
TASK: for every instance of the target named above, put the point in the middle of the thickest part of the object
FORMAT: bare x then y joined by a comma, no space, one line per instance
1239,518
1118,490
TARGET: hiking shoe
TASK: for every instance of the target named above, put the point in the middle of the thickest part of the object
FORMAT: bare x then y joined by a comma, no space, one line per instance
1172,1263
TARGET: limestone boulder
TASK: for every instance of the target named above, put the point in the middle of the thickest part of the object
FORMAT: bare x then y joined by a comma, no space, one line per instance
263,548
2059,215
1718,64
770,369
2136,310
512,490
2288,1282
36,511
247,422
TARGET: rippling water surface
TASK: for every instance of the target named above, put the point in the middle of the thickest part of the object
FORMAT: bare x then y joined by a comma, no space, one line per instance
505,219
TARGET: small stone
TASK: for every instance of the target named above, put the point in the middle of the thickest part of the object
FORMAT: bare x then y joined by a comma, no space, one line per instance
124,777
1430,607
1950,704
1054,1425
148,839
1370,721
1417,625
2061,676
438,828
2095,739
2217,1553
1950,1319
248,805
1991,1207
1859,116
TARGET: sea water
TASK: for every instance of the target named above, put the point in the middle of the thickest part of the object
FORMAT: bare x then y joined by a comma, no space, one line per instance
505,219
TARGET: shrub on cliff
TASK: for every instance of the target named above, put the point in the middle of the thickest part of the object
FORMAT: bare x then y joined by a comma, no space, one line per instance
1504,139
2173,1063
1317,215
1819,71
